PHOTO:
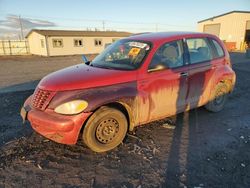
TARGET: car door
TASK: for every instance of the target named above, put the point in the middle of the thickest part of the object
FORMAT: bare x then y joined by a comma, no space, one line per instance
200,71
162,90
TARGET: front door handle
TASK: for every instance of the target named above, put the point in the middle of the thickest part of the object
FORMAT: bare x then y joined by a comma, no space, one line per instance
184,74
214,67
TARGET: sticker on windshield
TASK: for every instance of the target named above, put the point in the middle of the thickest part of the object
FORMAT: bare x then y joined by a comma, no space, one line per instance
147,47
134,51
138,44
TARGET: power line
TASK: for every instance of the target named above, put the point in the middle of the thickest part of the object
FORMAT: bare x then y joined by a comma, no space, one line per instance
96,24
105,21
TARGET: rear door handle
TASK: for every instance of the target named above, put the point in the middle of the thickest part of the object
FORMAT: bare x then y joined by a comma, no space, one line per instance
184,74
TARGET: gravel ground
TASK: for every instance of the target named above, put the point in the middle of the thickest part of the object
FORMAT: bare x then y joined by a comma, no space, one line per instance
24,69
193,149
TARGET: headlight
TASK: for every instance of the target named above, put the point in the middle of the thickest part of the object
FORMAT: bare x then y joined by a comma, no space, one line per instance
72,107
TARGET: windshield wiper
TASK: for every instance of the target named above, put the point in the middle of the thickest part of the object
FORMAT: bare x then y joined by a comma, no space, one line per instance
98,66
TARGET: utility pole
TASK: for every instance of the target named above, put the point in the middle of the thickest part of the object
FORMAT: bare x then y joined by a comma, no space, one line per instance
103,25
21,26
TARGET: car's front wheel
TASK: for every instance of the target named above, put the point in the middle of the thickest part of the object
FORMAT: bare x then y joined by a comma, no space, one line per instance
219,98
105,129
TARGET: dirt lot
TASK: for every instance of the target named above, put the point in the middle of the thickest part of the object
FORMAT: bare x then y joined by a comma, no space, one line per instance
194,149
19,71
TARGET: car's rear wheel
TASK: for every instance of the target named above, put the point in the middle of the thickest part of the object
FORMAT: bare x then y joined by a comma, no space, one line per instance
105,129
219,98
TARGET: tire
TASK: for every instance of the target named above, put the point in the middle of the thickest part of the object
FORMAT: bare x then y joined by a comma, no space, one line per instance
219,98
105,129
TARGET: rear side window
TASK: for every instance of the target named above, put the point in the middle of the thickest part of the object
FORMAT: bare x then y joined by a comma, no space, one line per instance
219,50
199,50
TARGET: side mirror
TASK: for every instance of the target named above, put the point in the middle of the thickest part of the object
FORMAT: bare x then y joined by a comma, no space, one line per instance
85,59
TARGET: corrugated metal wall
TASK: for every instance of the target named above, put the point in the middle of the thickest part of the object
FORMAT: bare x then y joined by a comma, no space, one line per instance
232,28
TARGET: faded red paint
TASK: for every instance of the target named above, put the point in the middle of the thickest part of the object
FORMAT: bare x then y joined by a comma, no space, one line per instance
60,128
146,96
83,76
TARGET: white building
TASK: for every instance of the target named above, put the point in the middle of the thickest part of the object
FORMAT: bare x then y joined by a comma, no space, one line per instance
66,42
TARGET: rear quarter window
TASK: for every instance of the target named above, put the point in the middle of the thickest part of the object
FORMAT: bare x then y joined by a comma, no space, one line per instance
218,49
199,50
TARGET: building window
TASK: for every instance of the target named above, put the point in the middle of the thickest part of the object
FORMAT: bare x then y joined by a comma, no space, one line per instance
57,43
42,43
78,42
98,42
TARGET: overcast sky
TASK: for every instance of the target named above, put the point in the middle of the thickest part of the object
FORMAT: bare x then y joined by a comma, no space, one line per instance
126,15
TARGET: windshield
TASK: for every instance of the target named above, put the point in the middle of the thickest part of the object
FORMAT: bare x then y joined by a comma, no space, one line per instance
122,55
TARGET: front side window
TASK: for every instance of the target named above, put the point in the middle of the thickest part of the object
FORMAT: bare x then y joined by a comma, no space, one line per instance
122,55
57,43
199,50
170,55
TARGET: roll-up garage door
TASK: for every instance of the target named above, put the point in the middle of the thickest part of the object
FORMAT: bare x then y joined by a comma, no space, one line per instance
212,29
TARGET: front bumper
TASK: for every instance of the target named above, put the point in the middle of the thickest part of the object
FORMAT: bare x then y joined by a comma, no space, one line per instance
62,129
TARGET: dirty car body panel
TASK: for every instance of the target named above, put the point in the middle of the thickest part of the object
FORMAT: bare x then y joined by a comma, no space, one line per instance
143,95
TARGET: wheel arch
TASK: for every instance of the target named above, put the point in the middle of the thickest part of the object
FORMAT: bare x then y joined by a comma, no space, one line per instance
119,105
123,108
229,83
225,75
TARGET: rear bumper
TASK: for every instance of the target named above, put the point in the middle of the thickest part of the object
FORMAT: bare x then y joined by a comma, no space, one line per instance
62,129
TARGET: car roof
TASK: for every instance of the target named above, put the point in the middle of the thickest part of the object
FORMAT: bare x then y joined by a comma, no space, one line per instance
159,36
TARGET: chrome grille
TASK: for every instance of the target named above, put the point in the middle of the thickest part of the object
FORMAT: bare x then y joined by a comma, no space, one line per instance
41,98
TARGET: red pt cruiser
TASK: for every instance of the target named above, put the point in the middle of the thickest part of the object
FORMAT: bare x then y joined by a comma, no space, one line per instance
134,81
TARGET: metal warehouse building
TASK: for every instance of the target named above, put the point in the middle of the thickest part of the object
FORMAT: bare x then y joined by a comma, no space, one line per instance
233,28
67,42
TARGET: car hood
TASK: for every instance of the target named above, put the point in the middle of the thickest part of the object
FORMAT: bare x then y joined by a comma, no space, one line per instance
83,76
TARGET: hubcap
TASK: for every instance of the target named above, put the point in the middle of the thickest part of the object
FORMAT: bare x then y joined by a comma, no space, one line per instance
107,130
219,98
